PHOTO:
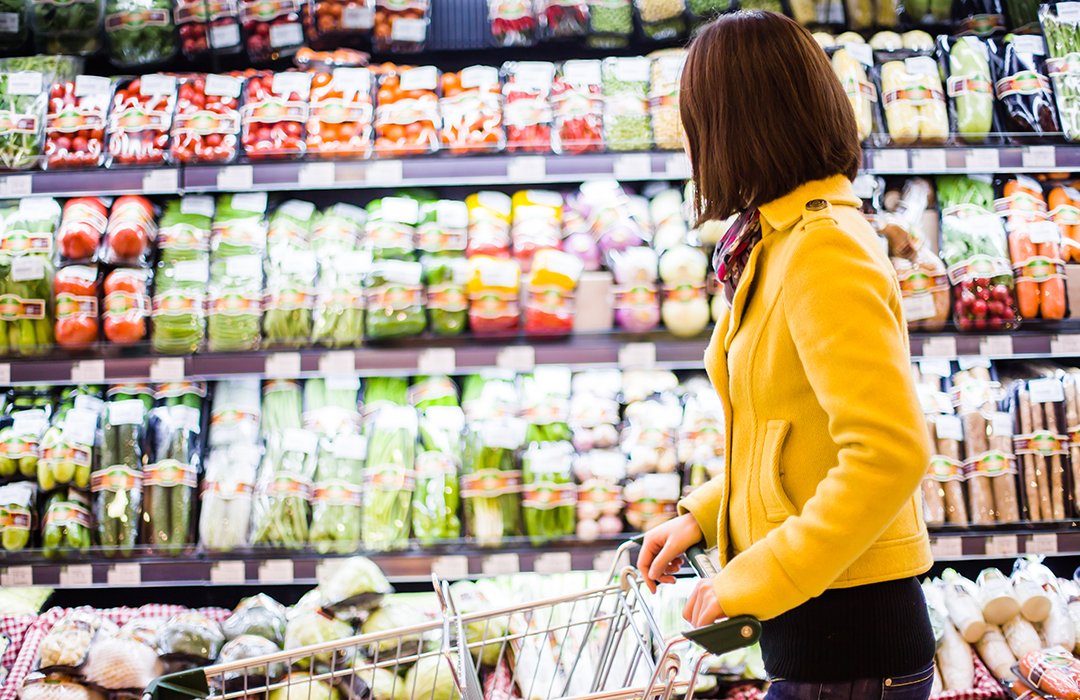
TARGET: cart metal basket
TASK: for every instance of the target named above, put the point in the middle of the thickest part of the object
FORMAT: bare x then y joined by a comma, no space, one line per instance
602,643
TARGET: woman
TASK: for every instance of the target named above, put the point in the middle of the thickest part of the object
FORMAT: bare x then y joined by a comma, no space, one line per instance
816,520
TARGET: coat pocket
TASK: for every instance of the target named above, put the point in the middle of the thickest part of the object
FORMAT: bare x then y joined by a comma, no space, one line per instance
778,507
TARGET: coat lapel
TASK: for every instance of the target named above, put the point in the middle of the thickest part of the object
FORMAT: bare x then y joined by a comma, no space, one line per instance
742,294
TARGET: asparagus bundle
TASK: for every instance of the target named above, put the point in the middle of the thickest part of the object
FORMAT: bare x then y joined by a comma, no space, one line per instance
1063,43
330,405
337,500
548,491
438,464
389,477
283,496
491,482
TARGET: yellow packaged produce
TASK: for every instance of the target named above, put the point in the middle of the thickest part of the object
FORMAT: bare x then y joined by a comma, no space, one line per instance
666,72
914,101
850,63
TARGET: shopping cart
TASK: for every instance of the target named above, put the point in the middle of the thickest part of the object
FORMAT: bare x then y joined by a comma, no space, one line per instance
602,643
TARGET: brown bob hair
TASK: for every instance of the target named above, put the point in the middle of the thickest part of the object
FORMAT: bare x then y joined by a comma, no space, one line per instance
763,113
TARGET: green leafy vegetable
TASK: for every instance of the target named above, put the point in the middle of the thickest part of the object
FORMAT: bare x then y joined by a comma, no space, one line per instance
389,478
438,464
139,32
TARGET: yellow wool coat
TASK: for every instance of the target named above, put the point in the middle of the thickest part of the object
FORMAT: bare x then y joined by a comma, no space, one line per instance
826,443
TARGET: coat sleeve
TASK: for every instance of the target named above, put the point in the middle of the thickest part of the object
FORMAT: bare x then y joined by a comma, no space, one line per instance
704,504
842,309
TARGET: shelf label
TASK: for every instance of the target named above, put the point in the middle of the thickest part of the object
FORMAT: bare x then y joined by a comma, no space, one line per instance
526,169
939,346
947,547
127,574
634,166
891,161
167,369
516,358
437,361
77,575
637,356
929,160
1002,546
161,181
17,576
981,160
316,175
276,571
1038,157
553,563
235,178
1042,543
385,172
88,372
227,573
996,346
936,367
677,166
500,564
282,365
1065,345
5,372
450,567
16,185
967,362
338,363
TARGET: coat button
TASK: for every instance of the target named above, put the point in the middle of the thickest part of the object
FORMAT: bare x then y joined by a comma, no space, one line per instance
888,682
816,204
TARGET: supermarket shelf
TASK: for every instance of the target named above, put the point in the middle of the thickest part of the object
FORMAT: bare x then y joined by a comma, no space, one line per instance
286,568
498,169
1049,539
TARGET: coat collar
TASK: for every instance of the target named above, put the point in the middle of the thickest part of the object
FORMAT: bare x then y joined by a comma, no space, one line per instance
782,213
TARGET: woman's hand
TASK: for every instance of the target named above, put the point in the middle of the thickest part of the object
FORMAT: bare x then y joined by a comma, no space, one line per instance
702,608
661,552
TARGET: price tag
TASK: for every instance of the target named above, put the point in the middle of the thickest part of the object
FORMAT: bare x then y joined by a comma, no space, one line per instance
338,363
945,548
634,166
637,356
385,172
500,564
603,561
437,361
77,575
9,22
276,571
1065,345
891,161
967,362
1038,157
286,35
17,576
929,160
353,17
981,160
167,369
1068,11
91,85
224,36
198,205
225,573
996,346
157,84
553,563
222,86
450,567
516,358
316,175
282,365
16,186
235,178
1042,543
88,372
1046,390
24,83
1002,546
127,574
939,346
677,166
5,373
526,169
411,31
161,181
949,428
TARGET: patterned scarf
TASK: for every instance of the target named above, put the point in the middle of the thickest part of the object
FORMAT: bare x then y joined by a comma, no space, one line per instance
733,251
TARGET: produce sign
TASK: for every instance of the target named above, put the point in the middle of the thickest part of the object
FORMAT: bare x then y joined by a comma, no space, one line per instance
75,124
140,119
207,120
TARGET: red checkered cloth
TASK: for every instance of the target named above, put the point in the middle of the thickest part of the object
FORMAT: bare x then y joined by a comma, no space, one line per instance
14,627
27,657
986,688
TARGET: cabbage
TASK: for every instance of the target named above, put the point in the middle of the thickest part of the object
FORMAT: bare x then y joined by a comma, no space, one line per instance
393,617
375,684
357,582
470,599
305,688
431,678
315,627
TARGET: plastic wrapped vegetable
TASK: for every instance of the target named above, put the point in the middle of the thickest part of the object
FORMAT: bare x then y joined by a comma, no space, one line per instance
390,231
68,28
339,305
914,101
76,289
564,19
394,299
235,292
271,31
626,103
283,495
970,87
471,111
526,110
259,615
548,492
650,500
75,122
407,112
337,230
611,22
169,479
67,448
685,308
139,32
66,524
536,224
26,274
578,108
337,500
273,116
357,584
513,22
207,121
1025,99
208,26
191,636
850,63
637,306
493,289
447,302
16,515
130,232
23,102
400,25
117,485
290,283
21,442
140,120
489,224
1063,44
491,481
181,275
664,80
82,226
388,478
339,22
1035,250
438,464
226,498
549,306
661,20
1064,204
339,120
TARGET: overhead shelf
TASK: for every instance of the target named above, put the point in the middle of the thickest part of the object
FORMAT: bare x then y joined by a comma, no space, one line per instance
483,170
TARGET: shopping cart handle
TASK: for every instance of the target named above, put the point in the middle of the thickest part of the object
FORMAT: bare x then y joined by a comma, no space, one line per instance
726,635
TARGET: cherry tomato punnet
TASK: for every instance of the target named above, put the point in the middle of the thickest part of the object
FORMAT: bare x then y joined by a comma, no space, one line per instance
471,111
75,124
140,119
339,120
407,111
273,116
207,119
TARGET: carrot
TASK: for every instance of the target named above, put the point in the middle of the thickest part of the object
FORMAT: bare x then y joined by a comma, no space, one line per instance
1063,203
1052,298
